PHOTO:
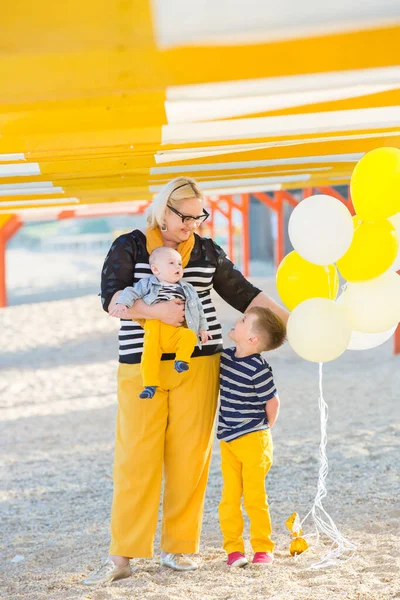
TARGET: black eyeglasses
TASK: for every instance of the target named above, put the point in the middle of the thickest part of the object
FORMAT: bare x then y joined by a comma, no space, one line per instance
188,218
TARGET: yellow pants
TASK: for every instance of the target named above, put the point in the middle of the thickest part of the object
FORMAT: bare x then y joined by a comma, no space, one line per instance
245,464
161,338
174,430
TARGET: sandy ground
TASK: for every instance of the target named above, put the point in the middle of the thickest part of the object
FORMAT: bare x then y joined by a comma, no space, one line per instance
57,390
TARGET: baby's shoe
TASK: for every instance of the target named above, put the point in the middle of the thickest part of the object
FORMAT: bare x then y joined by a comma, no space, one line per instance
181,366
237,559
263,559
148,391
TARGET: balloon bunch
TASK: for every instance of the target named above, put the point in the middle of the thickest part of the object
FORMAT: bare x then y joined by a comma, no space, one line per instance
364,249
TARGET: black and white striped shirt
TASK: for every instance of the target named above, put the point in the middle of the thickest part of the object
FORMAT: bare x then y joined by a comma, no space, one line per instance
169,291
246,385
128,261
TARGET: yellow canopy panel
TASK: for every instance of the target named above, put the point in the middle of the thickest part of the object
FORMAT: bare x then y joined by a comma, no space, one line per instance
103,102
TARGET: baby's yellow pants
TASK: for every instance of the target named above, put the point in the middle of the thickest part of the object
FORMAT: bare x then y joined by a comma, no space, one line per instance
245,463
160,338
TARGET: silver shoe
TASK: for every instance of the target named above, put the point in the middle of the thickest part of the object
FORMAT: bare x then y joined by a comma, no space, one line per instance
178,562
107,573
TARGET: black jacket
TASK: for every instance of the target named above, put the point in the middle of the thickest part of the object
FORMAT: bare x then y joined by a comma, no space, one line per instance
130,248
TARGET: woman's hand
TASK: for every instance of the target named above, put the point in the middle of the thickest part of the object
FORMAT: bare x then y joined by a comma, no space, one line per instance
171,312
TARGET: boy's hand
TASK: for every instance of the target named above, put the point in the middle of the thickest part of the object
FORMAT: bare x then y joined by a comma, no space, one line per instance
119,311
204,336
272,410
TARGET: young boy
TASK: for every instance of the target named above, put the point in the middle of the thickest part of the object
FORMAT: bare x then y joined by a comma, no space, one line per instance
165,284
249,406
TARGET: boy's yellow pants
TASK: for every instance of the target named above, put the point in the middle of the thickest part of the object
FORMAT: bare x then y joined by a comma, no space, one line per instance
245,464
161,338
173,430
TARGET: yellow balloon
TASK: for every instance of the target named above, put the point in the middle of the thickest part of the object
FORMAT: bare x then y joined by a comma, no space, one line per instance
298,545
372,251
375,184
298,280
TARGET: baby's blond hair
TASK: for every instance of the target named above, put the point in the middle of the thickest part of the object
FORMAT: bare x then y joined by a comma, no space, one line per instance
157,252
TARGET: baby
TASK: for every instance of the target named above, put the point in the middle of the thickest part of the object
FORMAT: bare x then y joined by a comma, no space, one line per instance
165,284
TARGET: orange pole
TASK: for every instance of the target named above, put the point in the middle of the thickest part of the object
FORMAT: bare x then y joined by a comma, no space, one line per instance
308,192
397,340
9,225
396,348
212,223
280,237
231,251
245,205
3,288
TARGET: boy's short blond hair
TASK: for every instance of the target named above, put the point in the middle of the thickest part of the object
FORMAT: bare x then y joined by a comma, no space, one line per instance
268,327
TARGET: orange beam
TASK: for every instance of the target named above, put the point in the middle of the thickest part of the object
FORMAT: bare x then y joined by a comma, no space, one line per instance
66,214
290,199
9,225
346,201
265,199
397,340
230,233
396,348
308,192
245,204
280,237
212,221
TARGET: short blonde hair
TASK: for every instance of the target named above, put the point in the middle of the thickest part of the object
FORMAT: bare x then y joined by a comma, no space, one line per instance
268,327
173,193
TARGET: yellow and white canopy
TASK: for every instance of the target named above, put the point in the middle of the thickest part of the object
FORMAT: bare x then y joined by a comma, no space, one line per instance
105,101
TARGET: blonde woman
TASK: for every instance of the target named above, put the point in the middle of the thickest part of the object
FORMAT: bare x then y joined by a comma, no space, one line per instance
174,432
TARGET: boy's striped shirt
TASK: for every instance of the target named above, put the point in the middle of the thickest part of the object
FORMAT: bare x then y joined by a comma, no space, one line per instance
246,385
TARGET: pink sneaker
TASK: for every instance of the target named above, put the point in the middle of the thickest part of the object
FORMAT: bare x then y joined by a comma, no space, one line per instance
237,559
263,559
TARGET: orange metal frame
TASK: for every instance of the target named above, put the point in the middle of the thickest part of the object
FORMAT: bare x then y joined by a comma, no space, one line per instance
243,207
9,228
275,202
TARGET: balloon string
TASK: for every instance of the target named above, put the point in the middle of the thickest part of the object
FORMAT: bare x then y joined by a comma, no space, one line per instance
323,522
331,291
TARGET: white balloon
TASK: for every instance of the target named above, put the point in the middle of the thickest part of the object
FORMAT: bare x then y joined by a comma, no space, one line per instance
366,341
318,331
395,221
373,306
321,229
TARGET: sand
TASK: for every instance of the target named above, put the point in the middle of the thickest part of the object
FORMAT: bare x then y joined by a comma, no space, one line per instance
58,405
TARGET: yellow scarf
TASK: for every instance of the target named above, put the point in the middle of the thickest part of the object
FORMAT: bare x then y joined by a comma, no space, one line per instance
154,240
